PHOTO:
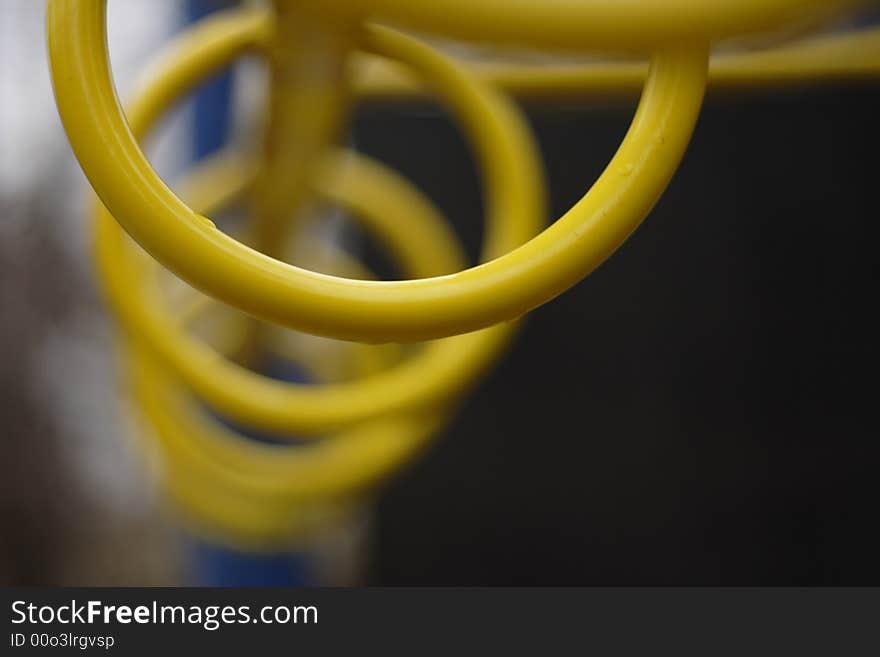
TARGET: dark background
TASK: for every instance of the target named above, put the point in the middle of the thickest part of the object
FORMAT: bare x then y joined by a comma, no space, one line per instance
700,410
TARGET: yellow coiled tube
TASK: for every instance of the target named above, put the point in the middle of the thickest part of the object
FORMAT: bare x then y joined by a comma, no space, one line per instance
394,400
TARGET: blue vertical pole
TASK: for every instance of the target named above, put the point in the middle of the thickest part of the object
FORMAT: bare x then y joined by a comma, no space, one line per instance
213,564
212,109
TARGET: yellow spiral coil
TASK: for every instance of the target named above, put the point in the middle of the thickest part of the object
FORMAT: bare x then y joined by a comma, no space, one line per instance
366,419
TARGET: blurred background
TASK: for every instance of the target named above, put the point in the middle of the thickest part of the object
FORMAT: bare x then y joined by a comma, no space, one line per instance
701,410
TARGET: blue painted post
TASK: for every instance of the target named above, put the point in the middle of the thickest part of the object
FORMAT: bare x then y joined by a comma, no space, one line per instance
212,109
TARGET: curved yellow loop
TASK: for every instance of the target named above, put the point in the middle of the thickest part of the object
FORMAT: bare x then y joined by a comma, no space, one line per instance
496,291
391,209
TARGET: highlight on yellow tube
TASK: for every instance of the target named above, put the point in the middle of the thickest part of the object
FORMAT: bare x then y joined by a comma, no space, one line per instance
374,199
